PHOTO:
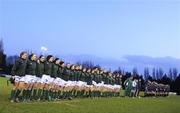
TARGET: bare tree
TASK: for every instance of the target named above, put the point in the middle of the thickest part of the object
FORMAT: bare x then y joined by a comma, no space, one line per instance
175,73
135,71
161,73
1,46
154,73
146,73
2,57
170,74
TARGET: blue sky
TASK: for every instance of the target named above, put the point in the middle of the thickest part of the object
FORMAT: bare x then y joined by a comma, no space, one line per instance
105,28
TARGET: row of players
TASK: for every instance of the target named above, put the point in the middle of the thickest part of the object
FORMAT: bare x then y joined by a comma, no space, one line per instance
50,79
133,87
155,89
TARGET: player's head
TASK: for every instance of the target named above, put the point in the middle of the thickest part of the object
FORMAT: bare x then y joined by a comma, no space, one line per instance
84,69
49,58
32,57
62,64
41,58
57,61
23,55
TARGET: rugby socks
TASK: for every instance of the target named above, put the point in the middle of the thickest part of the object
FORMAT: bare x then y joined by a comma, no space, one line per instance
17,93
24,94
34,94
13,92
28,96
39,93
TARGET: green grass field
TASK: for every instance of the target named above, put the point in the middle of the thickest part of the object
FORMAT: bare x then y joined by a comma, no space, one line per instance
102,105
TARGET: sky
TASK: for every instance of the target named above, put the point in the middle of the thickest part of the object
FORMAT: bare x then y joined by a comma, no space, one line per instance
104,28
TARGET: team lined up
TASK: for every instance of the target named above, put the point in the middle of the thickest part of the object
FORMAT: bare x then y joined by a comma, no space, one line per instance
154,89
50,79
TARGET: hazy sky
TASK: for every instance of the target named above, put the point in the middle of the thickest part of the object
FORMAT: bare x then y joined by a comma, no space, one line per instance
106,28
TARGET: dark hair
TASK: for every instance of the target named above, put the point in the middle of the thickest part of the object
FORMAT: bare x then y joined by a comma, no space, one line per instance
115,72
30,56
61,62
22,53
41,56
94,68
48,57
108,72
72,66
56,60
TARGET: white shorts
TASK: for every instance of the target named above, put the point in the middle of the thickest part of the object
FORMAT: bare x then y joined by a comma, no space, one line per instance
22,79
56,81
45,79
17,78
30,79
34,79
51,81
38,80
